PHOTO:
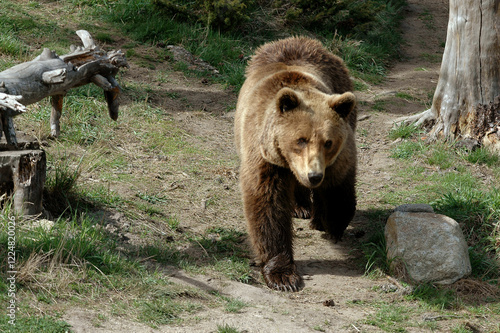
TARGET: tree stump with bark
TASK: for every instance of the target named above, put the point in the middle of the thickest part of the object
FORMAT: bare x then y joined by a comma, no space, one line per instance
466,103
22,177
50,75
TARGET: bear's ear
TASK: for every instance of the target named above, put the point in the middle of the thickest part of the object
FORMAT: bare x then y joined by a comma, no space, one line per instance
342,104
287,100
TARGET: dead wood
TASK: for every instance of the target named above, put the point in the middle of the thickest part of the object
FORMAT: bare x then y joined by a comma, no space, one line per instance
466,101
22,177
50,75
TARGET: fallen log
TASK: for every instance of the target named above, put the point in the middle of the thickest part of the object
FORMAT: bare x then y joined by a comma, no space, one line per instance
50,75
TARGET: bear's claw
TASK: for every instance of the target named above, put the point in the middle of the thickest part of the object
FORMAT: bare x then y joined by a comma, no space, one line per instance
291,283
301,213
280,274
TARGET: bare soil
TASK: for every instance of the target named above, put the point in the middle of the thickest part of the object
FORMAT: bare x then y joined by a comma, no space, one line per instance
336,289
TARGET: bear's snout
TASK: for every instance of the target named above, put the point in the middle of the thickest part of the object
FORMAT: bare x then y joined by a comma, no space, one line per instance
315,178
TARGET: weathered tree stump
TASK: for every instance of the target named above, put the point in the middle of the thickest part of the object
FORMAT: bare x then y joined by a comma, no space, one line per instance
466,103
22,176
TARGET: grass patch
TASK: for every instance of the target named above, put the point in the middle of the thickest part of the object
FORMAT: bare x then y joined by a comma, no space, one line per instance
226,328
61,179
428,19
11,45
462,328
482,156
432,58
234,305
408,150
379,105
218,251
78,261
440,156
231,305
404,131
21,23
45,324
163,311
104,37
391,318
374,250
436,297
148,24
223,251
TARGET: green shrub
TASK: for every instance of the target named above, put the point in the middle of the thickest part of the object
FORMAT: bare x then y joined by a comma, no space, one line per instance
223,32
371,20
225,14
219,14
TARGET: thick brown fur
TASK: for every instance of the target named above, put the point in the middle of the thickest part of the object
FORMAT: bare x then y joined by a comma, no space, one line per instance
294,131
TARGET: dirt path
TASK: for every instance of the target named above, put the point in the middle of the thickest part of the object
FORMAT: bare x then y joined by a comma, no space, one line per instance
335,288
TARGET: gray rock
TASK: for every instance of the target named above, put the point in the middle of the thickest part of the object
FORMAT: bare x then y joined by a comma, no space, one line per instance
431,246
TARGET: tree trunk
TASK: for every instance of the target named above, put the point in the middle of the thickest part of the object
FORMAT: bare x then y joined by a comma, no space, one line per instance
466,102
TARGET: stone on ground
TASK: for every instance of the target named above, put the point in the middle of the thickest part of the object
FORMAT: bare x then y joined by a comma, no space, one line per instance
431,246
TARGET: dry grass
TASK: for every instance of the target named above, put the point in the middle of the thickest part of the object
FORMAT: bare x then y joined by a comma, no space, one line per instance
49,273
471,289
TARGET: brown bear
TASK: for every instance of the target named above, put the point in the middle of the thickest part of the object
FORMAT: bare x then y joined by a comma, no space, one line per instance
294,130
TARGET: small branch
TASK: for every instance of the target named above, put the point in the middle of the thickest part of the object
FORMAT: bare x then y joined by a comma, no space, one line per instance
87,40
101,82
442,317
11,105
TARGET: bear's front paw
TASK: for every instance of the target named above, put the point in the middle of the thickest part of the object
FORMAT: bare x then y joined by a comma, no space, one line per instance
280,273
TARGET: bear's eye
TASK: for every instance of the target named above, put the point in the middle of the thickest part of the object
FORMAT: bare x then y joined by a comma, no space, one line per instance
328,144
302,142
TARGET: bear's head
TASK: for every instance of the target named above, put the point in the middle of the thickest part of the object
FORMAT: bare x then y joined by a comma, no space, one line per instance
307,131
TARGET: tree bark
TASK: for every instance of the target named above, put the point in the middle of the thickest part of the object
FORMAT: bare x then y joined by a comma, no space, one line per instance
22,177
466,100
53,75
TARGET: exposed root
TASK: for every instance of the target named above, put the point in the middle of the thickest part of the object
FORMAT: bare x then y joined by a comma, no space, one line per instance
419,119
